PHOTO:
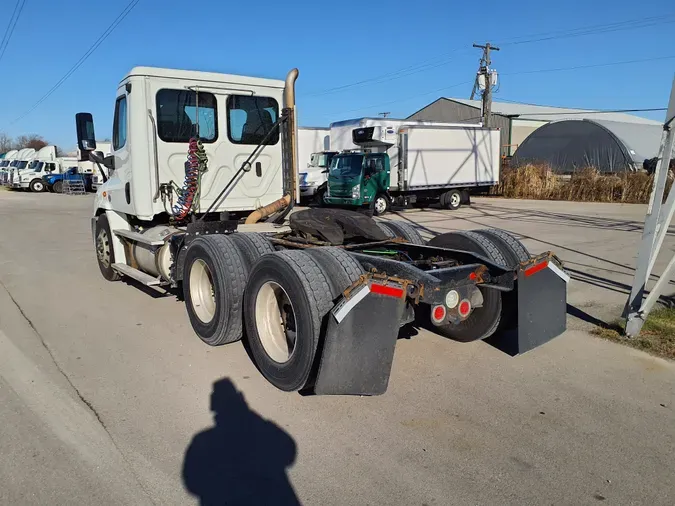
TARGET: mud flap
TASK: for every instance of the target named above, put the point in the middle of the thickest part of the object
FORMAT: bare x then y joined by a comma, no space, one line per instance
358,348
541,309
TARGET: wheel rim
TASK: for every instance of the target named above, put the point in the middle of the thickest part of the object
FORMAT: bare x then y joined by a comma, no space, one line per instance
276,322
38,187
380,205
103,248
454,199
202,291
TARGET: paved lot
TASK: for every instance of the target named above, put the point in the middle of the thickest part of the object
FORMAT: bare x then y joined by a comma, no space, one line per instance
107,395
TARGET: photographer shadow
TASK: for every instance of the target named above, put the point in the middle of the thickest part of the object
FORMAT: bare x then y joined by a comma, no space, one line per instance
242,459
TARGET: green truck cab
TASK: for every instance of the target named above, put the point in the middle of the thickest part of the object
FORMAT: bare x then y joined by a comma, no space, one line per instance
358,179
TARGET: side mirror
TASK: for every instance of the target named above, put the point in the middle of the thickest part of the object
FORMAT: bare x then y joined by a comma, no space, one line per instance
86,138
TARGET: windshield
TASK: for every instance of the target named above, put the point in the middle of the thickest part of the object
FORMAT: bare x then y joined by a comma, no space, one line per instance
319,160
21,165
37,166
346,166
4,163
33,164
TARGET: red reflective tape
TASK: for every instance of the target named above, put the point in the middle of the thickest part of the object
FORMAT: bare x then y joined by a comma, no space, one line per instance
473,276
389,291
536,268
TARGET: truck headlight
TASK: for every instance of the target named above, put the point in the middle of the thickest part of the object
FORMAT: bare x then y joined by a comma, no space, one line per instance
303,179
356,191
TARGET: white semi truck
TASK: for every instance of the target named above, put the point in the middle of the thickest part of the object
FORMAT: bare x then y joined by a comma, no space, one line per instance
428,162
311,141
10,156
44,162
23,158
202,179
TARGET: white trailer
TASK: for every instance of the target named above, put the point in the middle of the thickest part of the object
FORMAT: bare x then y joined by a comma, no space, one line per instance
311,142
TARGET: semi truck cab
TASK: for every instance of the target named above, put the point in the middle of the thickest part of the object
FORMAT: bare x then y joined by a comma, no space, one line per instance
315,174
31,177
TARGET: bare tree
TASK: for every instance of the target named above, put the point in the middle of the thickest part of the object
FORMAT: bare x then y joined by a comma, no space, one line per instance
34,141
5,143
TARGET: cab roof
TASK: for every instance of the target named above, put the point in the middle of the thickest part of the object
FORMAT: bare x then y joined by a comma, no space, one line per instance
205,77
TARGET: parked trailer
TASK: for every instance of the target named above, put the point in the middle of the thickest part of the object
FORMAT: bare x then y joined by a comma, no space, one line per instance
322,295
428,164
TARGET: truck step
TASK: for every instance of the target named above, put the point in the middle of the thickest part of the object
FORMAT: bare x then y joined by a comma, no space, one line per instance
136,237
139,276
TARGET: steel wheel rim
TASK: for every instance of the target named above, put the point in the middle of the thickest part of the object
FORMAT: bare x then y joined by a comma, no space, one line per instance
38,186
380,205
454,199
202,291
276,322
103,248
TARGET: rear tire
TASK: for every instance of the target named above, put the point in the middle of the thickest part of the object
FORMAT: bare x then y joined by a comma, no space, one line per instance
251,246
213,287
341,269
451,200
58,187
483,321
105,255
286,299
513,250
407,231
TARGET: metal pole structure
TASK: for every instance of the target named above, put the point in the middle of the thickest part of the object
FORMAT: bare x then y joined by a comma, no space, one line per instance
656,226
484,69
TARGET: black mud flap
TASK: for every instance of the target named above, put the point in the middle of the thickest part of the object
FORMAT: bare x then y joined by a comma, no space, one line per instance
541,308
361,335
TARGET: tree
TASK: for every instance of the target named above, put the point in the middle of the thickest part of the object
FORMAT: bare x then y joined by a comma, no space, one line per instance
5,143
30,141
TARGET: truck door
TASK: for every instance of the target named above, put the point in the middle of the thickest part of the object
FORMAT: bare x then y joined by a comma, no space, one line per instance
376,176
120,189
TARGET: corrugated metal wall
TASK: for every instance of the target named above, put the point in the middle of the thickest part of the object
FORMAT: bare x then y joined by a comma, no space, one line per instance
454,112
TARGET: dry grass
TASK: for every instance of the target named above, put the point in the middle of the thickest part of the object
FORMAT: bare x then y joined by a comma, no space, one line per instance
588,185
657,336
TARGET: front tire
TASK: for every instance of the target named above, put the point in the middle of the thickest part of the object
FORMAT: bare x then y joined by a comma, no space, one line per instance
381,204
105,255
58,187
37,186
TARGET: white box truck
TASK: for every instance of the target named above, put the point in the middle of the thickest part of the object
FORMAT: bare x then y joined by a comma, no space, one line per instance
416,164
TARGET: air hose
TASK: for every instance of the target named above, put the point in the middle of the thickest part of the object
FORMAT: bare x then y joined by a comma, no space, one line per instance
188,195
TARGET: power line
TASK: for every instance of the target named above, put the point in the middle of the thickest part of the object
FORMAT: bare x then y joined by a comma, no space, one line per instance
590,111
595,65
391,76
130,6
400,99
592,30
433,63
11,26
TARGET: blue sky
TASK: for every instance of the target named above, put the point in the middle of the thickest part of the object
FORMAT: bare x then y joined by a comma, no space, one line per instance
334,44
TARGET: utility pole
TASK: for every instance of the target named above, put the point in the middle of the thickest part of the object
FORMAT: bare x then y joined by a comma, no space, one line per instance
488,81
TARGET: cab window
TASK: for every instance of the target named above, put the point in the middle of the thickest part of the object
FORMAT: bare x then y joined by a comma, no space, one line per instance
250,119
120,123
184,114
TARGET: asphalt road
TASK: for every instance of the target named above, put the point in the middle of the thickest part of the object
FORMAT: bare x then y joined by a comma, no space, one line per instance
108,397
